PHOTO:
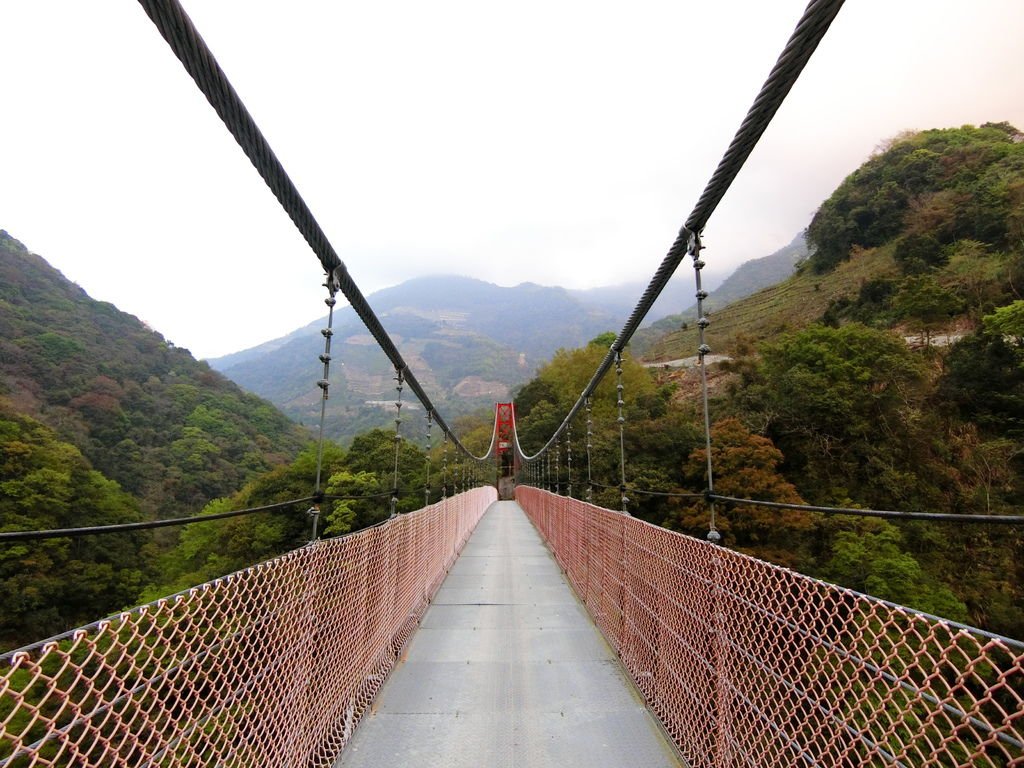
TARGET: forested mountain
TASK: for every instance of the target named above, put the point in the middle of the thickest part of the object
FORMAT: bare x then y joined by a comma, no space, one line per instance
167,428
468,342
888,373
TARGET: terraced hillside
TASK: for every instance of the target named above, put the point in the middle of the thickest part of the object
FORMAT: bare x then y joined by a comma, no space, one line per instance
795,303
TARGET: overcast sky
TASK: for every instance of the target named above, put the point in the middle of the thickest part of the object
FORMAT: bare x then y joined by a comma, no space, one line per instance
555,142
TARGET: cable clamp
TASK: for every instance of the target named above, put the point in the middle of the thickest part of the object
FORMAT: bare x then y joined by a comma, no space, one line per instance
694,245
333,281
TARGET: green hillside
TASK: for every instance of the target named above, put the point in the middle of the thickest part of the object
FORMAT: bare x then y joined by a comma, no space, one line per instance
167,428
103,422
49,586
926,235
794,303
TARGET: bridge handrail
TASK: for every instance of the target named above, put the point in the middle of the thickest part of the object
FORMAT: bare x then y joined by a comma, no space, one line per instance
746,662
272,665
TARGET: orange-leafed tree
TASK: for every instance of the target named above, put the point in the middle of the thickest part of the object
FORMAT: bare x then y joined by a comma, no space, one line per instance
746,465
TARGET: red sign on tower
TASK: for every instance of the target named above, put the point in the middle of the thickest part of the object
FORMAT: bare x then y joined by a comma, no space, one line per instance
504,426
505,453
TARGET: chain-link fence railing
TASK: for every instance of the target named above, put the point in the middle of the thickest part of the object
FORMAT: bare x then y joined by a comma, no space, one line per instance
750,664
270,666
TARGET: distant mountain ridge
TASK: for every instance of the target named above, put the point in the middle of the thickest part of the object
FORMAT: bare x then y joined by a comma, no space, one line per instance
468,341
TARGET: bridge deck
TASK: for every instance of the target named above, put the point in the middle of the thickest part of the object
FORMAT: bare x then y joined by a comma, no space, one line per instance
507,669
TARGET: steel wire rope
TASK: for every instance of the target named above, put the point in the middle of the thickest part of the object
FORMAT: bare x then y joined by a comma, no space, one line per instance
886,513
62,533
683,495
181,35
621,420
942,517
325,385
426,456
809,32
67,533
590,446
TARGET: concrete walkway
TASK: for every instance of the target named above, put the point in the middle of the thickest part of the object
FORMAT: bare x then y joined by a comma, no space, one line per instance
507,669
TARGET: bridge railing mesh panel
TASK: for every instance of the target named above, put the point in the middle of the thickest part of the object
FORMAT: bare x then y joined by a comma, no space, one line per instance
750,664
271,666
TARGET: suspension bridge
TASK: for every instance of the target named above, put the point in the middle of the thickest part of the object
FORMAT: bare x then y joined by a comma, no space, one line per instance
538,629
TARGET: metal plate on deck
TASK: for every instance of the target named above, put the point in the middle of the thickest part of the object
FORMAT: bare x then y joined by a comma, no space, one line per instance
507,669
557,616
536,596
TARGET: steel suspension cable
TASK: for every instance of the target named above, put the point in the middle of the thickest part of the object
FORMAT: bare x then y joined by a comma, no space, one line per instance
590,445
398,441
426,471
702,352
177,29
809,32
558,466
325,385
568,460
619,403
444,469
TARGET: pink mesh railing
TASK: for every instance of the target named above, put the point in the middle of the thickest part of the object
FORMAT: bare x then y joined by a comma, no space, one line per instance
750,664
271,666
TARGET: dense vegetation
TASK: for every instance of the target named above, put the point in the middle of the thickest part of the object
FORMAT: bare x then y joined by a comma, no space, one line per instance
213,549
927,191
49,586
888,373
